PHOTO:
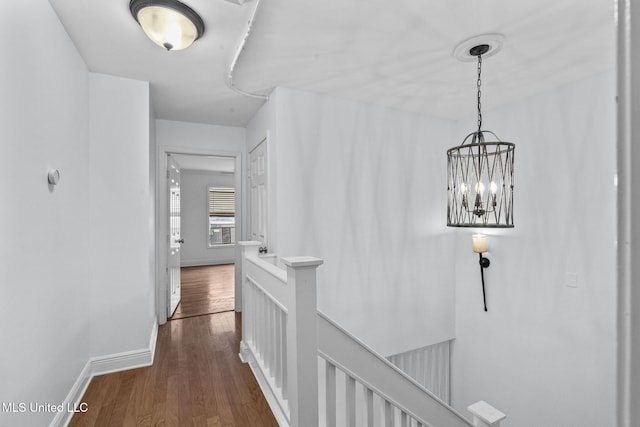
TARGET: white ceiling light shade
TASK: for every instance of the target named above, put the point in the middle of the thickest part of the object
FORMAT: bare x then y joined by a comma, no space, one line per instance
170,24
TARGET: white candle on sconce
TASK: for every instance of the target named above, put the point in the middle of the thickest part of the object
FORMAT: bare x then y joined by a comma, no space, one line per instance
479,243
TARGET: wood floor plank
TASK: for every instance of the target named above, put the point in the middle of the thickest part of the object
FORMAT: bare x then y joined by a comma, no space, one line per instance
196,379
205,290
171,416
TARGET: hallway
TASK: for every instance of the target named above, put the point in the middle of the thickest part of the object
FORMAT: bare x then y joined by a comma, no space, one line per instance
196,379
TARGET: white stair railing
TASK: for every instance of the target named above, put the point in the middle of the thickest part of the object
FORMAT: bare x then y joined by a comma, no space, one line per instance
287,343
401,400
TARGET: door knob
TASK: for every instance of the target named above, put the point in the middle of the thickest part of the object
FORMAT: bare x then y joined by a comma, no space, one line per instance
180,241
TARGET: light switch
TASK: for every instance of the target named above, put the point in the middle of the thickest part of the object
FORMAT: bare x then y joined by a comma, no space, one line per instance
571,280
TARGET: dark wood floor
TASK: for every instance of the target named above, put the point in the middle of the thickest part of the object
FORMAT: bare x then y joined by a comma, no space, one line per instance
207,289
196,379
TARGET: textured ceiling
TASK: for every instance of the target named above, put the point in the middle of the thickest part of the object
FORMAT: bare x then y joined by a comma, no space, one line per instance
392,53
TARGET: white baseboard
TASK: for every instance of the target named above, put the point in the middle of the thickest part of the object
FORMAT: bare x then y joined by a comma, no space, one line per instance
100,366
63,418
127,360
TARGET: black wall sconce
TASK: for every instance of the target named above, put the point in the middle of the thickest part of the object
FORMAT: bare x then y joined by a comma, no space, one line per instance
480,247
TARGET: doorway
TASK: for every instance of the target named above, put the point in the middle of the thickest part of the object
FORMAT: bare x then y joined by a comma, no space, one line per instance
206,260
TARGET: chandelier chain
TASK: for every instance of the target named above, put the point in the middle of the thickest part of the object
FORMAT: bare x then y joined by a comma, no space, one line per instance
479,83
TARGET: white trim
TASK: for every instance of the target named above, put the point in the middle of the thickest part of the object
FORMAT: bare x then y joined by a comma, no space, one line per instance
278,407
63,418
206,172
201,262
429,366
153,340
126,360
333,337
487,413
121,361
161,200
105,365
628,206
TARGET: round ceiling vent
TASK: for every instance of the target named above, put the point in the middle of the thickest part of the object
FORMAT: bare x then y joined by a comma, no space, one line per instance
464,51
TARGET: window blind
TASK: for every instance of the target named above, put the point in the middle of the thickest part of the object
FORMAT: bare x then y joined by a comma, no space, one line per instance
222,202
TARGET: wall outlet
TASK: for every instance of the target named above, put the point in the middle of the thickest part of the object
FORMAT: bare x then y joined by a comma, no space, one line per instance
571,280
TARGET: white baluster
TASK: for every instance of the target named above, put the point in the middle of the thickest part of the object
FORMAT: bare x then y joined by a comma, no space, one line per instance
258,323
263,328
269,340
388,414
278,346
404,419
263,324
369,405
272,338
254,315
330,388
350,401
247,314
285,377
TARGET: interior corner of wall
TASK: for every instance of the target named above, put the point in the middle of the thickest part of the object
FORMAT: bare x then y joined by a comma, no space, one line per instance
153,338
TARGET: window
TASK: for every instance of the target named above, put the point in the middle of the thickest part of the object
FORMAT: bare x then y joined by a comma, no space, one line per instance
222,216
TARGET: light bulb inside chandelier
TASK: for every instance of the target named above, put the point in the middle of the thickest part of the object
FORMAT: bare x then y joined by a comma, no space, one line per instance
477,165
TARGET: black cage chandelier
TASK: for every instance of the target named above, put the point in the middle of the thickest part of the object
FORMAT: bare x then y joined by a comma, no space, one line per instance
480,174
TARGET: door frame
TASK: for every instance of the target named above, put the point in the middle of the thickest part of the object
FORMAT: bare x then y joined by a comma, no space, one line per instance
162,213
173,259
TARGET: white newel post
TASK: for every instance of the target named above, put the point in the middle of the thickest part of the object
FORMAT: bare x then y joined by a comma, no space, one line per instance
485,415
302,340
243,250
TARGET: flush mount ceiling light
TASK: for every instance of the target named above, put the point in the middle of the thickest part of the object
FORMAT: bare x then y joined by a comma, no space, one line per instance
480,172
168,23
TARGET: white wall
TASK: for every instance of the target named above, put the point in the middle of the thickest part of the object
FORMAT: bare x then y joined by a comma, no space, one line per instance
44,259
194,207
362,187
123,289
199,136
544,353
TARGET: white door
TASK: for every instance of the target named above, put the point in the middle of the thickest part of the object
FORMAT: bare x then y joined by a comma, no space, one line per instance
173,264
258,196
